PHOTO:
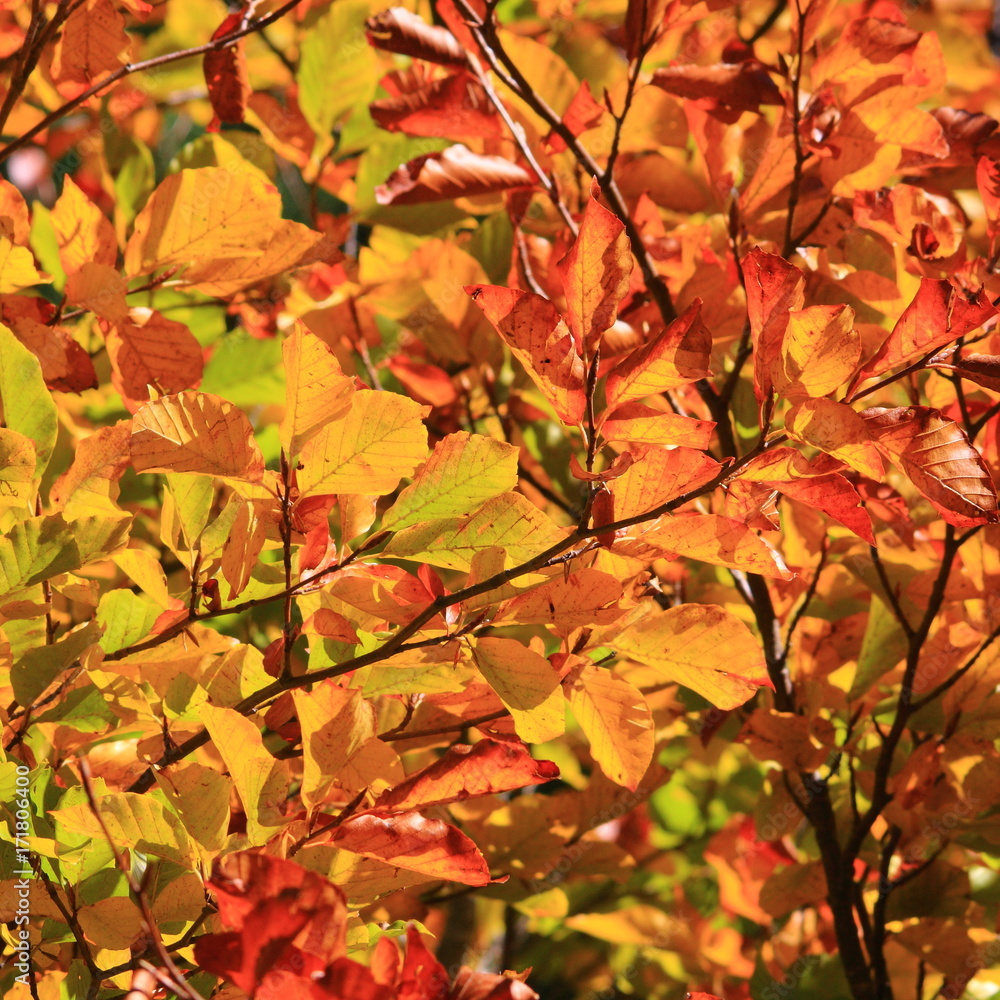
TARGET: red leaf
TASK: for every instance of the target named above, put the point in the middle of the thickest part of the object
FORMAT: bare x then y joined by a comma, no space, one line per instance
536,333
400,30
489,767
226,76
422,976
583,113
455,172
284,917
938,314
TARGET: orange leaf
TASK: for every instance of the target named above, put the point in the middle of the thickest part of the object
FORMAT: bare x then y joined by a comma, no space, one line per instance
93,43
838,430
715,539
595,275
938,314
455,107
725,89
153,351
83,234
659,475
586,597
583,113
411,841
820,351
455,172
539,338
66,366
195,432
774,288
488,768
936,455
637,423
674,357
702,647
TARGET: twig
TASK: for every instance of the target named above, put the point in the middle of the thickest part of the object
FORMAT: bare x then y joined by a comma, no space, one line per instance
796,183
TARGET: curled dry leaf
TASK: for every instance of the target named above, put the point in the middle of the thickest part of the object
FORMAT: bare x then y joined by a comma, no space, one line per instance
983,369
455,172
939,460
226,75
402,31
453,107
726,90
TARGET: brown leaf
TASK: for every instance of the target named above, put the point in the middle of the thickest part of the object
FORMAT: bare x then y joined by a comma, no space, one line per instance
455,172
983,369
66,366
453,107
400,30
488,768
936,455
726,90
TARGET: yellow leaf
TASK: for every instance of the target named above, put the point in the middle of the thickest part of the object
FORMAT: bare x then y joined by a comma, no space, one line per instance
527,684
640,924
114,922
703,647
17,469
260,779
317,391
147,571
509,521
14,220
289,245
336,724
17,268
368,450
713,538
463,471
586,597
209,212
838,430
819,353
242,545
83,233
616,720
195,432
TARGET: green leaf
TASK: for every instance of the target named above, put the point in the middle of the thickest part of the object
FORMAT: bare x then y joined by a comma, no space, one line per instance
464,471
39,667
509,521
27,405
126,618
883,646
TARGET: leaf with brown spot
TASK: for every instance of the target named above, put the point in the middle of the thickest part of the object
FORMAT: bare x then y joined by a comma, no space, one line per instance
226,75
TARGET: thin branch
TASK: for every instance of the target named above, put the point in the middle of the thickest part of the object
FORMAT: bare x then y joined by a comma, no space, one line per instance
419,734
807,598
890,593
800,156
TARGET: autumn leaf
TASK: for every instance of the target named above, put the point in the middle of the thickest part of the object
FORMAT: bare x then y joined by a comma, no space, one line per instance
595,275
411,841
725,90
936,455
487,768
453,107
226,75
527,685
400,30
838,430
983,369
368,449
676,356
83,233
702,647
195,432
455,172
462,472
616,720
820,350
540,339
938,315
93,43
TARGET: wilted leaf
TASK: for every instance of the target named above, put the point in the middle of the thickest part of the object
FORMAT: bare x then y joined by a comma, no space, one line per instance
226,75
983,369
702,647
455,172
452,107
195,432
724,89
